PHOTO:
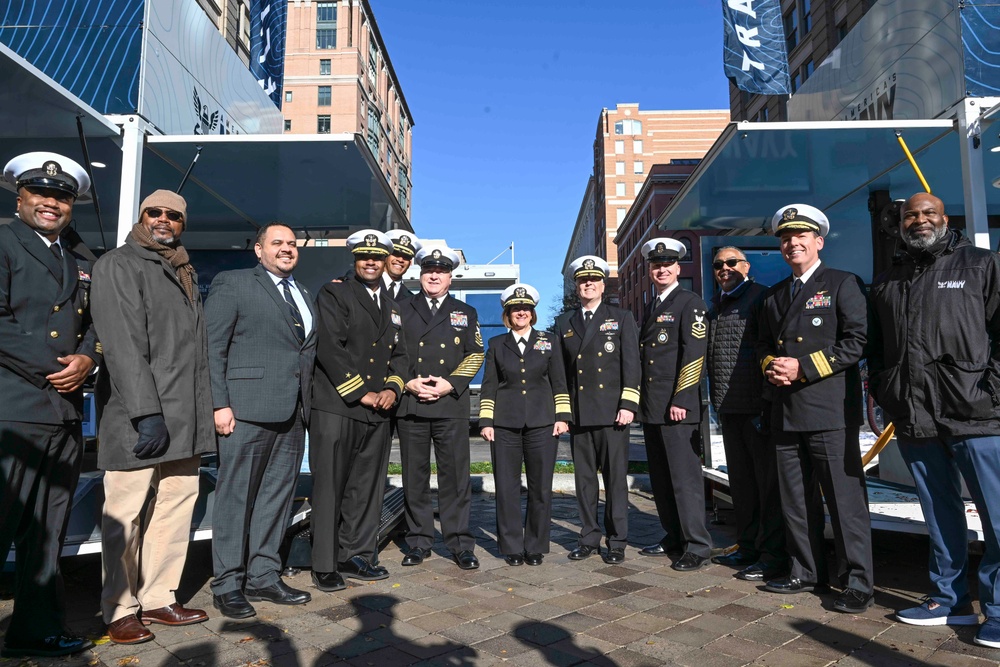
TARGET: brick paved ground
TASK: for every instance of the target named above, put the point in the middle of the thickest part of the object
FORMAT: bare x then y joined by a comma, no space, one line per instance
561,613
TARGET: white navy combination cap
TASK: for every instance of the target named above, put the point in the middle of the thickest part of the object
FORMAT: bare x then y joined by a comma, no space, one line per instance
42,169
663,250
404,243
369,242
438,255
589,266
800,218
520,294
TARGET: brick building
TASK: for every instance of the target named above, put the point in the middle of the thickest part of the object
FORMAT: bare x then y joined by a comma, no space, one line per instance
339,80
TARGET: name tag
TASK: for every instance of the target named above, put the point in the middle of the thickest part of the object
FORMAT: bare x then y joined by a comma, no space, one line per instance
459,320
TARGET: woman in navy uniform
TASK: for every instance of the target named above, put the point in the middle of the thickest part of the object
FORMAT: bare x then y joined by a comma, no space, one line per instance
523,410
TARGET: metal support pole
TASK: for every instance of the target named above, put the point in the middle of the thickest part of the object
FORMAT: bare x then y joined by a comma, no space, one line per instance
973,182
133,141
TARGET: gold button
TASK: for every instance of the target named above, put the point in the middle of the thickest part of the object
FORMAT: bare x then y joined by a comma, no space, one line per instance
79,311
781,342
442,361
55,309
579,356
374,344
371,361
524,382
79,336
601,386
580,372
652,344
799,339
54,334
581,387
522,370
442,344
522,361
650,362
419,359
421,343
369,377
600,354
523,392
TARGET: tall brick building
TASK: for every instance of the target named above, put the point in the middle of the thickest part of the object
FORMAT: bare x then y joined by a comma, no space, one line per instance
339,79
629,142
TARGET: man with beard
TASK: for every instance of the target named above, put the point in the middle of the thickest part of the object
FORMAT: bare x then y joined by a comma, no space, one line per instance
935,370
600,347
262,346
445,352
736,389
49,348
360,359
404,247
154,397
813,330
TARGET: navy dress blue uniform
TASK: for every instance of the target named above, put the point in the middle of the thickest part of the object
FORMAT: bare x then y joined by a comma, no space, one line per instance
44,314
523,395
448,344
673,343
602,371
815,422
360,349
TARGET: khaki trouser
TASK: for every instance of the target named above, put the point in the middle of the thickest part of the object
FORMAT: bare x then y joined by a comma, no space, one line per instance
131,584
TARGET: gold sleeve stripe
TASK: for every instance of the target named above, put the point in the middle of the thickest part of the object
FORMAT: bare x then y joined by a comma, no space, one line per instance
689,375
630,394
822,365
349,386
470,365
767,362
485,412
396,380
488,403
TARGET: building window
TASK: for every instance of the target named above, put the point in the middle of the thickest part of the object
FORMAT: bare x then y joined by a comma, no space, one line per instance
402,197
619,189
288,96
688,257
620,213
638,187
245,25
620,168
628,126
791,21
807,70
372,60
324,67
322,125
841,31
326,25
323,98
374,130
796,80
288,126
762,115
637,146
619,147
637,167
806,8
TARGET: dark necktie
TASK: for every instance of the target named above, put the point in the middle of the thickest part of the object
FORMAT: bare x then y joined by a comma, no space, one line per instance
375,299
796,287
395,289
434,307
587,316
56,249
296,314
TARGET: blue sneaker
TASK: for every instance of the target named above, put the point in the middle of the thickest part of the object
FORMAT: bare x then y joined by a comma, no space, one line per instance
932,613
989,633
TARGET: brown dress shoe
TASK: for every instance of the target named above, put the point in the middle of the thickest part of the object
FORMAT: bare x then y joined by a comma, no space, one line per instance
173,614
128,630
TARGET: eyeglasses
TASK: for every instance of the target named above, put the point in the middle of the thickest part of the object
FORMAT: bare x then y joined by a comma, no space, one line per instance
172,216
731,263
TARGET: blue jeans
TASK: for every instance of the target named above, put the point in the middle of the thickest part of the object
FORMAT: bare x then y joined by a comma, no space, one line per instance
935,464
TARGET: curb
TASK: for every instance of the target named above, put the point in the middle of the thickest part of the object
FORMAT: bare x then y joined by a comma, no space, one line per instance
561,483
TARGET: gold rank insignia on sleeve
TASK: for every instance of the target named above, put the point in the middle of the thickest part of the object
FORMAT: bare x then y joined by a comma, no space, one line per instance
479,336
698,327
689,376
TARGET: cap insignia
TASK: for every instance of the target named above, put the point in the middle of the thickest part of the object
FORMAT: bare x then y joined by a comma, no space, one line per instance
661,247
371,240
436,254
789,214
51,168
520,293
588,264
404,240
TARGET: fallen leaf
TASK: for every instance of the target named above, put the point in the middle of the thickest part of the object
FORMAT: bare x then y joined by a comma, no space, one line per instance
246,639
788,606
128,660
396,585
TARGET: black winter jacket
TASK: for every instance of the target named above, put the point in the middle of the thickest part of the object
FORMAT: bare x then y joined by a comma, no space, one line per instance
934,361
734,375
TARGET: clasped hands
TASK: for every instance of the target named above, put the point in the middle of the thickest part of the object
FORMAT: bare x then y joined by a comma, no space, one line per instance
429,389
783,371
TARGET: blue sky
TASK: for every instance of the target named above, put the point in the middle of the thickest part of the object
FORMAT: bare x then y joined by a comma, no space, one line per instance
506,98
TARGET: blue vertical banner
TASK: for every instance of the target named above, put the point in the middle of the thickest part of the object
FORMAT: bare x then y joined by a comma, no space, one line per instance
267,45
754,52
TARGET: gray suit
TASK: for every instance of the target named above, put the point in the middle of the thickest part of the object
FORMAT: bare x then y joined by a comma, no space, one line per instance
263,372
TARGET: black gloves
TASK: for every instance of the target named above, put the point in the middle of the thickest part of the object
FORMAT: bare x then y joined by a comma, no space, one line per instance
153,437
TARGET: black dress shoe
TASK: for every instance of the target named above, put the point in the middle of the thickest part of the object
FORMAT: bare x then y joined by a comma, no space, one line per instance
761,572
360,569
789,585
49,647
233,605
329,582
853,601
466,560
514,559
659,549
583,551
416,556
739,558
615,555
533,559
689,562
278,593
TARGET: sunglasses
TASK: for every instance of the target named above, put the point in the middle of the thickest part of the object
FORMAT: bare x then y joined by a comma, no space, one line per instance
731,263
172,216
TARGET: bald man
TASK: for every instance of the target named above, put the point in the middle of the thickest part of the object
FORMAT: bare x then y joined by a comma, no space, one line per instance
935,370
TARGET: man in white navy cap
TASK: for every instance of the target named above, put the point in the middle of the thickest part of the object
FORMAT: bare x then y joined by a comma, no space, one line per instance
360,362
49,348
600,348
672,345
813,331
405,246
445,352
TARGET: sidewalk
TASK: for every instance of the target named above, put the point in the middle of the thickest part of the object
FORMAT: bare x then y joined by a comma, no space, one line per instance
561,613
